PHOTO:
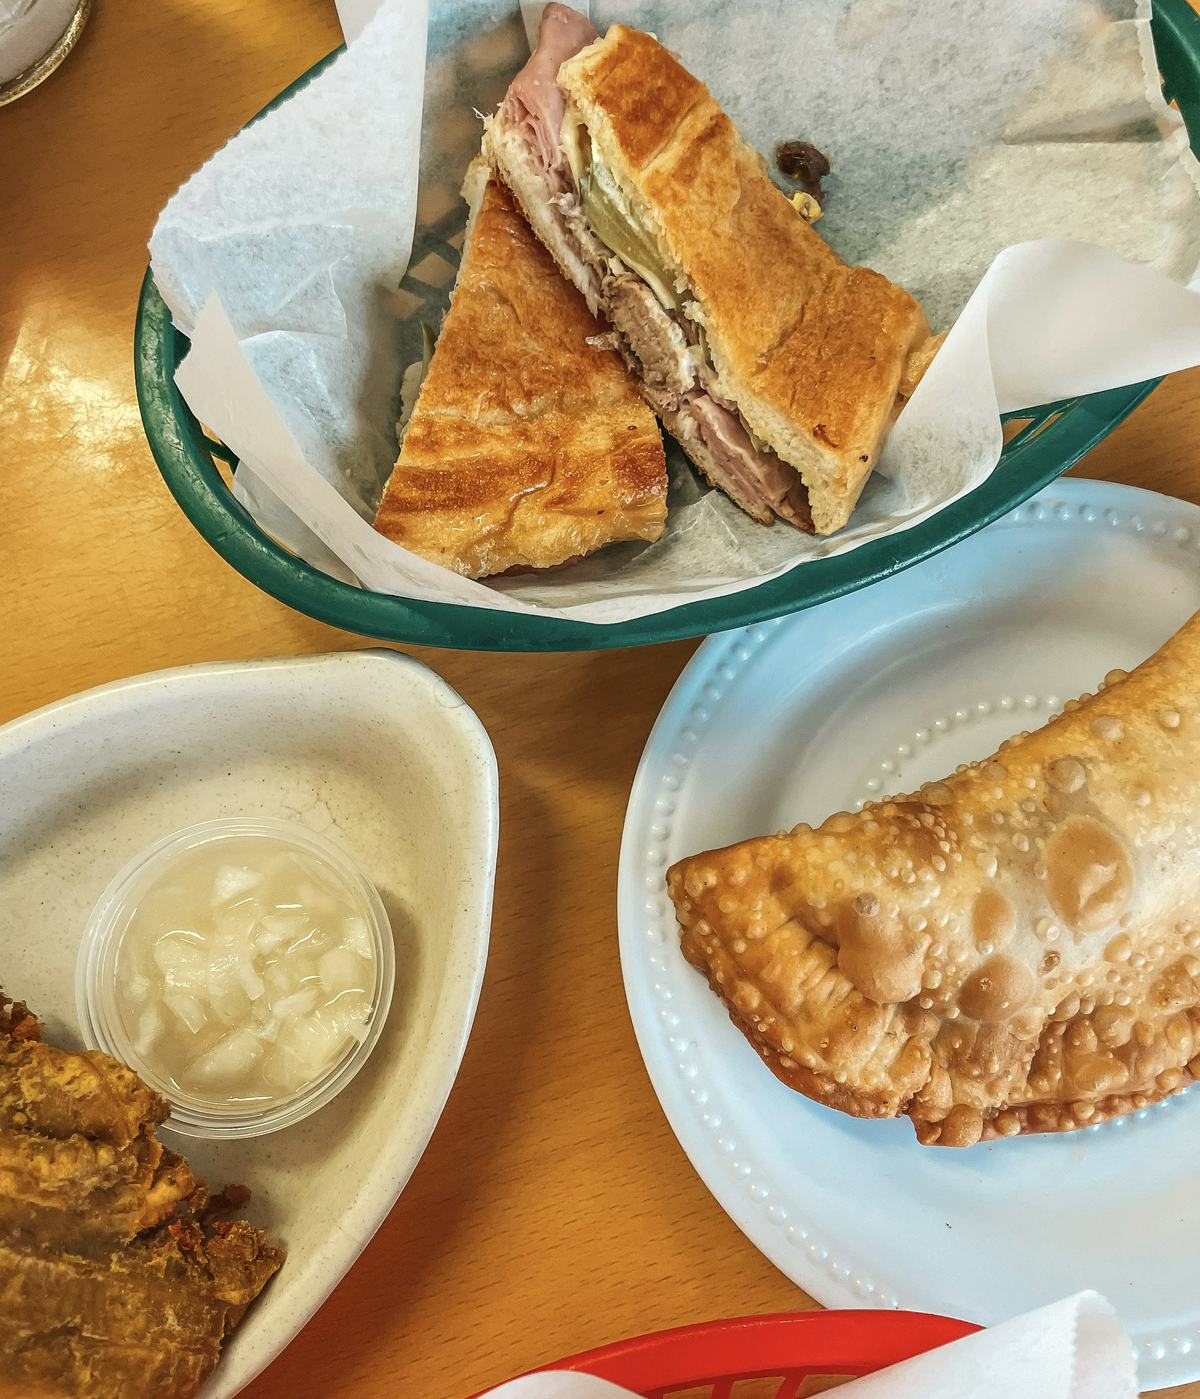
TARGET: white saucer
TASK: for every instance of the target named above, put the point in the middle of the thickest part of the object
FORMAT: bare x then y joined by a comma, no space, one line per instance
879,691
369,748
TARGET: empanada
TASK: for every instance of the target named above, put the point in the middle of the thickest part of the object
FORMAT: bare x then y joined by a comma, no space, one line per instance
1015,949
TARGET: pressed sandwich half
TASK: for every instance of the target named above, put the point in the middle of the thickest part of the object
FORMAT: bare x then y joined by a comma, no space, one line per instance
775,364
527,446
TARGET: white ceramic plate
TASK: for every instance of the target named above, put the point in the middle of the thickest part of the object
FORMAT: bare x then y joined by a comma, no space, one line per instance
792,720
370,748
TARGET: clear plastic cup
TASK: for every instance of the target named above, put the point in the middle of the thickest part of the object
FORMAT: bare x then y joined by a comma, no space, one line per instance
96,980
35,38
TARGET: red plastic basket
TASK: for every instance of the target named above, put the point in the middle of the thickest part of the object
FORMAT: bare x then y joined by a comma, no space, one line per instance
788,1348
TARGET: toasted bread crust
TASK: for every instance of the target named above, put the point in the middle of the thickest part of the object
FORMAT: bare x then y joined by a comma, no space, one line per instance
810,349
527,447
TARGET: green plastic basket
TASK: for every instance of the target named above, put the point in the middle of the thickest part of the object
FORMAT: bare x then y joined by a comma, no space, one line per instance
1042,443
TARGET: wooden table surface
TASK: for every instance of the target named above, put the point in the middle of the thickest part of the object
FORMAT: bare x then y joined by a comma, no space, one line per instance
553,1209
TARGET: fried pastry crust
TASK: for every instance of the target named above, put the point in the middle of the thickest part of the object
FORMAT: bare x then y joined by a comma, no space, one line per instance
119,1274
1015,949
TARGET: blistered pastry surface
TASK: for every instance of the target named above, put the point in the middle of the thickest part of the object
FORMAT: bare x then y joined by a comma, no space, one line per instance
767,1154
1010,950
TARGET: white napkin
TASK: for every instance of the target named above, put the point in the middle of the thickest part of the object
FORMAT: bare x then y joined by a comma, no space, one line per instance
1073,1349
1046,125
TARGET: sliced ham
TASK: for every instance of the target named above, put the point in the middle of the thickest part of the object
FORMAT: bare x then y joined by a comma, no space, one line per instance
534,102
759,477
657,343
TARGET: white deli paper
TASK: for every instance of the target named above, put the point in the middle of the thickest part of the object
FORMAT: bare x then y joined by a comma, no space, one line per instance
979,147
354,16
1073,1349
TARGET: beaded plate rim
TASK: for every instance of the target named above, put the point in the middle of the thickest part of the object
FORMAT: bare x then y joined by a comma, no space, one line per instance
1165,1356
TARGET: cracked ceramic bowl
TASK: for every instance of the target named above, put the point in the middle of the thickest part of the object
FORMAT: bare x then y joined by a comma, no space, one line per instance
369,749
874,693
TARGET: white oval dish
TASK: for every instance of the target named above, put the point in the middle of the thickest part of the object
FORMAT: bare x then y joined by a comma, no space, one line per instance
369,748
791,720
